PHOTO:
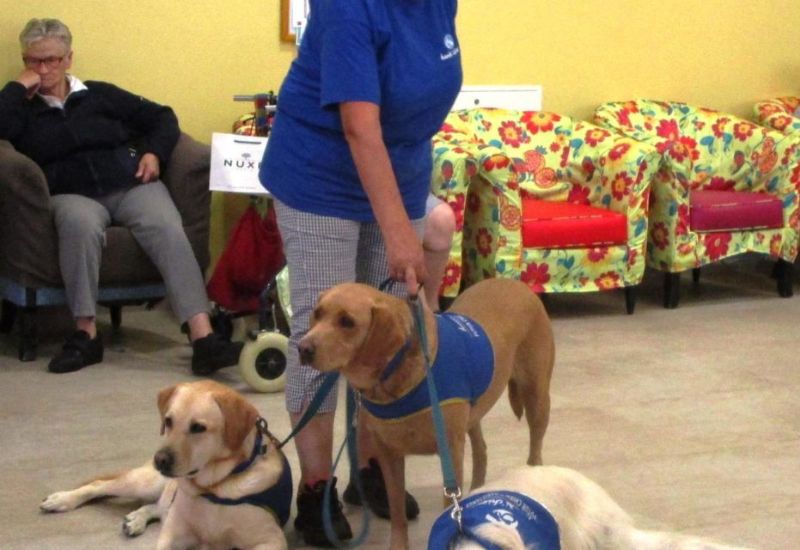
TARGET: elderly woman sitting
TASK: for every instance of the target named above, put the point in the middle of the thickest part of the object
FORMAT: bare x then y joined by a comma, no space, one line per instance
102,149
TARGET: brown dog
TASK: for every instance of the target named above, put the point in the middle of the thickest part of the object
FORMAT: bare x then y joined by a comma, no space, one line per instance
360,331
202,494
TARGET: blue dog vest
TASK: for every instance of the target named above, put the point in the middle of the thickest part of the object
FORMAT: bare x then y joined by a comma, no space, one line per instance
534,523
462,370
276,499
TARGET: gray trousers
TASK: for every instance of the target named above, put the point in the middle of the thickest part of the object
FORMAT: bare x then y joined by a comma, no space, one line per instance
148,211
322,252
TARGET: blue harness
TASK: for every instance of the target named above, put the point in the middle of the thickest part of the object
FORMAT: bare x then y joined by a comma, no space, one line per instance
534,523
462,371
276,499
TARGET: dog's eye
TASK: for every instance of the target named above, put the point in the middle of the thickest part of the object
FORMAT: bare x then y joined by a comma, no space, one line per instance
345,321
168,423
196,428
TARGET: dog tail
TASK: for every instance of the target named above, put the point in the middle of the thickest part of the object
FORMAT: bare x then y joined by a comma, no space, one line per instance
659,540
515,399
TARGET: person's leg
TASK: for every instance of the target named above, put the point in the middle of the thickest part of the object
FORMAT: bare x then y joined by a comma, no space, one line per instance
320,253
440,224
80,225
149,212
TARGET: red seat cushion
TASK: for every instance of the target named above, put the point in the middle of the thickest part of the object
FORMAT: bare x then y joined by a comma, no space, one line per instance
547,224
732,210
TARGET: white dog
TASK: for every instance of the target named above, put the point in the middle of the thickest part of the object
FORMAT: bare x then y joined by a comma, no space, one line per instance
587,517
219,480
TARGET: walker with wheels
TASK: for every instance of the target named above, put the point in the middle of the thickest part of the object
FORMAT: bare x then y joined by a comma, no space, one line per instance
262,362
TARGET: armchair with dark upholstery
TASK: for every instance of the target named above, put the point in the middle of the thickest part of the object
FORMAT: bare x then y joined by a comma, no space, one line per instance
29,267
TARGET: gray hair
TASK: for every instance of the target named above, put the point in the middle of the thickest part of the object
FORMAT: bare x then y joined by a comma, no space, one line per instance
39,29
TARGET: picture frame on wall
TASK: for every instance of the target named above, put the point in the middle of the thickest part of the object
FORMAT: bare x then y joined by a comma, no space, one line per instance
294,14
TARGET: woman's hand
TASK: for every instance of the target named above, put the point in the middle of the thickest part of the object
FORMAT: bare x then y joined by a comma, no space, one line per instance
31,80
406,258
149,168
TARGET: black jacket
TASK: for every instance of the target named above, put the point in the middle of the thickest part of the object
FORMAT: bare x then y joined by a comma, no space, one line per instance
93,146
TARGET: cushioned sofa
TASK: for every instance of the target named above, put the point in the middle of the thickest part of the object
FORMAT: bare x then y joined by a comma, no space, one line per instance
29,269
558,203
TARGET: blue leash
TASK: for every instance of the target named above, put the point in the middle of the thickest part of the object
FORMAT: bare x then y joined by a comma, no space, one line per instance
451,488
328,382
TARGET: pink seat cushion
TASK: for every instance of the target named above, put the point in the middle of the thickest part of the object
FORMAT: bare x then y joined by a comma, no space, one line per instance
732,210
547,224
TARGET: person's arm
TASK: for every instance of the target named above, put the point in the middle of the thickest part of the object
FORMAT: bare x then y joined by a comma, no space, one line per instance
362,130
156,126
13,98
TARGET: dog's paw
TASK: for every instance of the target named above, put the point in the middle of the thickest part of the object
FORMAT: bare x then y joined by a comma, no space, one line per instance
135,523
63,501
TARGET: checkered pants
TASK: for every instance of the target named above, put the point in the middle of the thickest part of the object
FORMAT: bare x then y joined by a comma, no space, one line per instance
322,252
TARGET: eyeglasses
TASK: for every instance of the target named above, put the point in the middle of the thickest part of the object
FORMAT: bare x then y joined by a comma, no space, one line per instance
49,62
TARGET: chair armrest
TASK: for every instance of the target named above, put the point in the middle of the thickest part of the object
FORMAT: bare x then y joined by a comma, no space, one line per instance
778,114
186,177
27,234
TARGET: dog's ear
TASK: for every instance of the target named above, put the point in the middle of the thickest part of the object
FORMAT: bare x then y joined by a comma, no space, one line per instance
163,402
240,417
388,331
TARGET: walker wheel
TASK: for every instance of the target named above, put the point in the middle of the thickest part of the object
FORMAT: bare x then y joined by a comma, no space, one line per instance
263,362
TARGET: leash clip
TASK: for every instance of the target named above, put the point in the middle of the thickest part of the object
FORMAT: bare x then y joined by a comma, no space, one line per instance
457,511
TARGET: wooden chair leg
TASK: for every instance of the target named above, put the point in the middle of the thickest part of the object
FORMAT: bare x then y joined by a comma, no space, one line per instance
630,299
672,290
7,316
784,275
696,275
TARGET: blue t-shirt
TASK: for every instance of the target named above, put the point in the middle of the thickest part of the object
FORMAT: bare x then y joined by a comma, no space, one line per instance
402,55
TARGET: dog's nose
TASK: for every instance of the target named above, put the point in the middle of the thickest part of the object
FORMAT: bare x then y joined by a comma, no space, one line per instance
164,461
306,350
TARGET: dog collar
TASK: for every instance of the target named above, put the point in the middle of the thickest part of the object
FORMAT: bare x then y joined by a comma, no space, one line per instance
534,523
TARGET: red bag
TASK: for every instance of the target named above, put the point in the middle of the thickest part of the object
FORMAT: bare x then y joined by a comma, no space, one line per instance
253,256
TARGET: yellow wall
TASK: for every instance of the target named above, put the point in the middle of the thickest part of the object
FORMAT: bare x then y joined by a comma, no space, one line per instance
195,55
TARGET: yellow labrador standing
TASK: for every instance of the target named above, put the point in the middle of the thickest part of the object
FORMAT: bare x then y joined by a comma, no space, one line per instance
218,481
498,336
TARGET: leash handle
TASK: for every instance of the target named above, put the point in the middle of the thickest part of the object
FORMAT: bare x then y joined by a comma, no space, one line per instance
451,488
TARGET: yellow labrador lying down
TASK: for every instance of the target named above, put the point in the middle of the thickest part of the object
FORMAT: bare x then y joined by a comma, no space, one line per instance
563,504
218,481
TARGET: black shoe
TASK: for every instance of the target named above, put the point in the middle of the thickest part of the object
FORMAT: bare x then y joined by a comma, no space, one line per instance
214,352
80,350
375,493
310,502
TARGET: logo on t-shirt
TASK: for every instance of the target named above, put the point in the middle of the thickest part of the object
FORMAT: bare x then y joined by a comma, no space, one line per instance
450,45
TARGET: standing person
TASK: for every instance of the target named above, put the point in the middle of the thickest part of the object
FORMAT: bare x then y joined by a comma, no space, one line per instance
349,164
102,150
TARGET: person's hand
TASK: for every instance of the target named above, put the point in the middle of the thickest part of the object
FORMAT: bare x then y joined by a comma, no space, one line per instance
31,80
148,168
407,260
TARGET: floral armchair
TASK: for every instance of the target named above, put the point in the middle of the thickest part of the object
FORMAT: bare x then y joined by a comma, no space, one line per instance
779,114
725,187
557,203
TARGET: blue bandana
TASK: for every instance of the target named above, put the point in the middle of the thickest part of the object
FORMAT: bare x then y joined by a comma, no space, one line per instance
462,371
535,525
